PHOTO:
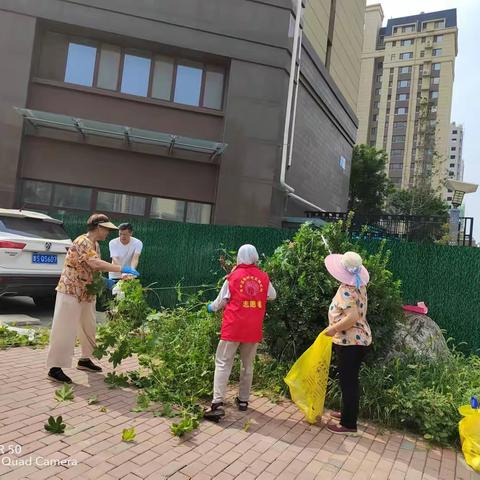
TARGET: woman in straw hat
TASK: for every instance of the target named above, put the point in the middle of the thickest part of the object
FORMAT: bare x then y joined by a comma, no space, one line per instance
351,333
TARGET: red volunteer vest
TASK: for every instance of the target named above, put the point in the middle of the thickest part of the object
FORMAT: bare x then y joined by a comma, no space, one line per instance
243,316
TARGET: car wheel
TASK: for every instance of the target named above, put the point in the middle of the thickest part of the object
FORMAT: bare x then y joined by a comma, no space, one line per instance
47,302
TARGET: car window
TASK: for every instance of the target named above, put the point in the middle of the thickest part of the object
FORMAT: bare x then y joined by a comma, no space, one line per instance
31,227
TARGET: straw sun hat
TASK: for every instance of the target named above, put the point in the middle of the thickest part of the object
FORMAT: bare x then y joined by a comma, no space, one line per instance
347,268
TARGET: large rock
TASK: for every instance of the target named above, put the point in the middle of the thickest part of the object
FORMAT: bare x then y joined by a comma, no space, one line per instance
420,334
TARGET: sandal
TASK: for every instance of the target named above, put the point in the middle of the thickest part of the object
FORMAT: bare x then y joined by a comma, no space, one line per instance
215,413
242,406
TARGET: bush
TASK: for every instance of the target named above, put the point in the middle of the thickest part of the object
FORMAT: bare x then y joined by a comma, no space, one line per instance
305,290
418,394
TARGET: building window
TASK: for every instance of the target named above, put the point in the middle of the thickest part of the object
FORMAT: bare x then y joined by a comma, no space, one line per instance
80,64
439,24
213,95
398,138
453,157
162,78
424,39
39,193
436,52
408,28
377,91
402,97
406,55
121,203
136,75
454,132
438,38
168,209
453,149
379,78
188,84
373,132
452,165
69,196
403,83
433,95
108,67
198,213
433,109
405,69
407,42
436,80
392,56
375,105
422,53
436,66
399,124
92,64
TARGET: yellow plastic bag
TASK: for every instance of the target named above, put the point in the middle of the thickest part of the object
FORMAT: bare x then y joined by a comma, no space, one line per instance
308,378
469,428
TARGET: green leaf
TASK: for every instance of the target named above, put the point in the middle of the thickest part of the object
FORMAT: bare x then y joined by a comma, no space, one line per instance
55,425
64,394
128,434
115,380
247,425
103,409
92,400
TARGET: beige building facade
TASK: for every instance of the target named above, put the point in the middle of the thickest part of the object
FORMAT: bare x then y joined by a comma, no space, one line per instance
335,30
405,94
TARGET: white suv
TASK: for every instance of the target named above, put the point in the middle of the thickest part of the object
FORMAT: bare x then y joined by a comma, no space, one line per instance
33,247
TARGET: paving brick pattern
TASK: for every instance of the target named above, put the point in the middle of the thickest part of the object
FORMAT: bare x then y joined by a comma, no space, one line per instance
277,444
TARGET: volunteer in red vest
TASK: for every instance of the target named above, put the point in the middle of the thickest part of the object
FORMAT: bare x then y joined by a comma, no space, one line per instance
243,297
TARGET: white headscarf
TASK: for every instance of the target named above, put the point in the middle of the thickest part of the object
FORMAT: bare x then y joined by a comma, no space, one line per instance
247,255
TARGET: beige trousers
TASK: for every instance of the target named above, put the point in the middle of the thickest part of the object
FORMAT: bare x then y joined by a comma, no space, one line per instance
223,367
71,318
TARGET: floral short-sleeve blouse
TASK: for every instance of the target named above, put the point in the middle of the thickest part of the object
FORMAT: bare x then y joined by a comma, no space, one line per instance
77,273
346,300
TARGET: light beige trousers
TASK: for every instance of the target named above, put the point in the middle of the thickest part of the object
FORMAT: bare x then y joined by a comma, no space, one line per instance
223,367
71,318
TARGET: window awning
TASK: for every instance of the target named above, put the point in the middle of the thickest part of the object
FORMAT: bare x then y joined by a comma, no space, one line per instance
129,135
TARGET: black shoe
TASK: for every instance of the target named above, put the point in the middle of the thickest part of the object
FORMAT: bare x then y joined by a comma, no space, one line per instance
242,406
215,413
88,365
56,373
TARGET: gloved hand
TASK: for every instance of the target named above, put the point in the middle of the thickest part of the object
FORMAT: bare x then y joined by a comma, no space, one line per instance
130,271
109,283
209,308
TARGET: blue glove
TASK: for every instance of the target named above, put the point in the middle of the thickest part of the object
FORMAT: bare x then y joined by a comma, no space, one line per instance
130,271
209,308
109,283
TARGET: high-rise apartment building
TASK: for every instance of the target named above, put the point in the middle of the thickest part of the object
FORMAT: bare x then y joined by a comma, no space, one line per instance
405,93
455,156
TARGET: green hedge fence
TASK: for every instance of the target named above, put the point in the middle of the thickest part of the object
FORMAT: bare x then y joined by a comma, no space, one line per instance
446,278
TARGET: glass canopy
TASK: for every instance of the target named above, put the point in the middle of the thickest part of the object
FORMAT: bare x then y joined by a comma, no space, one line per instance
129,135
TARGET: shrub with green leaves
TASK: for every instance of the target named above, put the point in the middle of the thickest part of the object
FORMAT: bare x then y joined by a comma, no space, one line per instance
305,290
10,338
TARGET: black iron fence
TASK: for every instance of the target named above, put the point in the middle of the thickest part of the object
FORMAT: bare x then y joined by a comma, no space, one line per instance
402,227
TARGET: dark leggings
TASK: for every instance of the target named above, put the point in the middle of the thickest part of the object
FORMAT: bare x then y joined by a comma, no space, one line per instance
349,360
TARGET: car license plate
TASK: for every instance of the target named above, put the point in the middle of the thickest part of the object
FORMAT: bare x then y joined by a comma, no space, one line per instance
44,258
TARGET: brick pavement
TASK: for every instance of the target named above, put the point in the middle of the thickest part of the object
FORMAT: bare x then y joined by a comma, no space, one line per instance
277,445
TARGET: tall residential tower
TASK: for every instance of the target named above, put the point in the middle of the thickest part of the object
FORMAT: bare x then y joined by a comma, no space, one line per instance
405,93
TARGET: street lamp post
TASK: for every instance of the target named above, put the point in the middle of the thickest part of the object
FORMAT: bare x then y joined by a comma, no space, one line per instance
459,191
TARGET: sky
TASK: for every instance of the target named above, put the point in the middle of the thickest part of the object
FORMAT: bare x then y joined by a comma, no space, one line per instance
466,89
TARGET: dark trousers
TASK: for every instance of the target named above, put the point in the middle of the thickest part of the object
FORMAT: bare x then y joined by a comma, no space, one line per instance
349,360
